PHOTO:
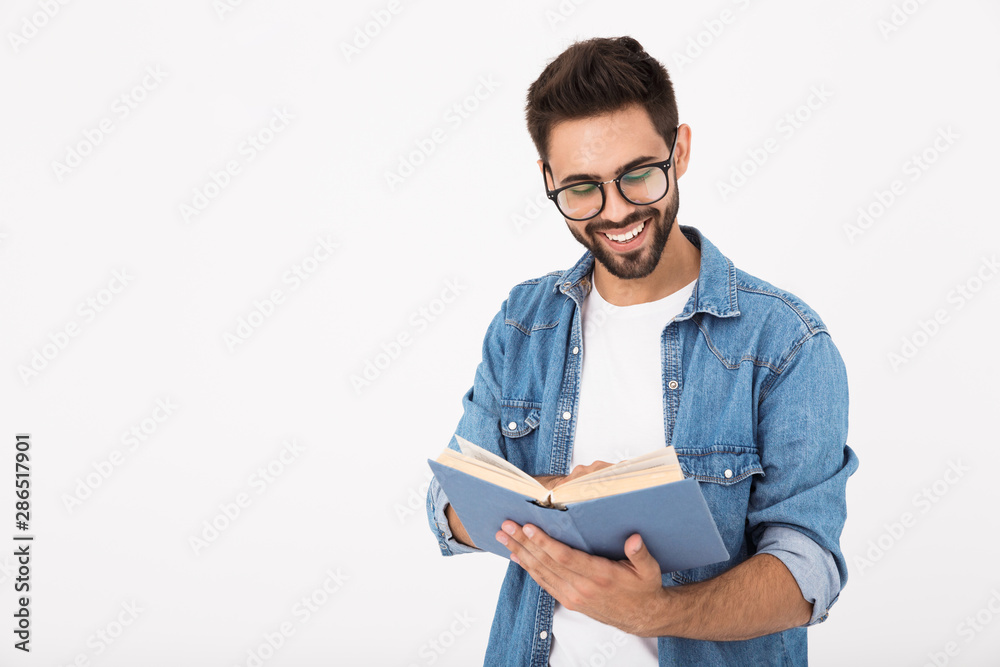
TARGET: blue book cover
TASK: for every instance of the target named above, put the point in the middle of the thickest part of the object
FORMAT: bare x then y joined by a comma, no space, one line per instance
673,519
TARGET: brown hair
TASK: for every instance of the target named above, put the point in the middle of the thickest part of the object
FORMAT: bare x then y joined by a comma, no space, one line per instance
598,76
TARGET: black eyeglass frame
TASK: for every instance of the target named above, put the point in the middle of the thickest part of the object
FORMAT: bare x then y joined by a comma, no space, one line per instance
664,165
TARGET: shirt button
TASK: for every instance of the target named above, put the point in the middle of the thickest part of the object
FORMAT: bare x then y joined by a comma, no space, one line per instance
566,415
543,634
576,350
673,384
512,426
728,473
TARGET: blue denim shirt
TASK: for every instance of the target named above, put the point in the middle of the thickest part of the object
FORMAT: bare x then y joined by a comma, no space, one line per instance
754,403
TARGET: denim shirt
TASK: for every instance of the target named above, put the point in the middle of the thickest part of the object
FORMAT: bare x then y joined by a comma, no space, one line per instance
754,403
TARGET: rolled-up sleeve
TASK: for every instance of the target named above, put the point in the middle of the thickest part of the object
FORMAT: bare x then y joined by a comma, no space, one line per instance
798,508
437,502
811,565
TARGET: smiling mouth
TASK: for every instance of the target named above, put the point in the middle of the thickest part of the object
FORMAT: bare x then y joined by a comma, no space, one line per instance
628,235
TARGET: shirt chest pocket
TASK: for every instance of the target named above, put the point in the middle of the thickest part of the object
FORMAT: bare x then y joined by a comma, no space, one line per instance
726,474
519,422
519,418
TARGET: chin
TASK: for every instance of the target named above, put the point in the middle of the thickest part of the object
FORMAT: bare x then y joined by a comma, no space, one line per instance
639,263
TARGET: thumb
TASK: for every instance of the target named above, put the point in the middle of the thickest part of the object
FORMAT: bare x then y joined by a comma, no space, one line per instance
640,557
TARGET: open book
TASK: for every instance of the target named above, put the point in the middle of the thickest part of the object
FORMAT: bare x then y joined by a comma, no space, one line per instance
595,513
656,467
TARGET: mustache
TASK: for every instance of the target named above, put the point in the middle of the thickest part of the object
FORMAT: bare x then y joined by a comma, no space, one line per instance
603,226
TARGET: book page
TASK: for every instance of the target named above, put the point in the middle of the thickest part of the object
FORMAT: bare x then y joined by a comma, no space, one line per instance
493,475
668,473
665,458
476,452
612,486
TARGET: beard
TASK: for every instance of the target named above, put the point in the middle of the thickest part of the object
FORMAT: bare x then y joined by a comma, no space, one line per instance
640,262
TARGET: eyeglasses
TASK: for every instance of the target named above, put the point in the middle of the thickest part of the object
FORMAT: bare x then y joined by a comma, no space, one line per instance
583,200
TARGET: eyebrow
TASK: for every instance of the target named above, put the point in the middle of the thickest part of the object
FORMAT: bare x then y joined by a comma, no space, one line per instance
621,170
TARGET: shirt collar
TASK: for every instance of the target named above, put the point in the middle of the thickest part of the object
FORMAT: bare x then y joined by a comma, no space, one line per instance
714,292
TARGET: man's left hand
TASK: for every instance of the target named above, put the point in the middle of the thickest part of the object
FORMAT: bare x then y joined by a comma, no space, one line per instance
626,594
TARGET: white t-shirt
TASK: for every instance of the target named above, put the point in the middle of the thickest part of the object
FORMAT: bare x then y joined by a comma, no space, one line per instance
620,416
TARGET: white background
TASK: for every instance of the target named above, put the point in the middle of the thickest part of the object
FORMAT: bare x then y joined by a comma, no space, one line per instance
351,502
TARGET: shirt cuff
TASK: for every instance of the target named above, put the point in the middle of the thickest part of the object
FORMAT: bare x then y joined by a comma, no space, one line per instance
812,566
437,502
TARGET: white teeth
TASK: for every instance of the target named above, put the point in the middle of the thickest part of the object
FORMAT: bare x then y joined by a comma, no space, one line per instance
628,236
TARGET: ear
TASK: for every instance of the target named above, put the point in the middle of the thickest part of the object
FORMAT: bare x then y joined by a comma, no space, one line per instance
682,152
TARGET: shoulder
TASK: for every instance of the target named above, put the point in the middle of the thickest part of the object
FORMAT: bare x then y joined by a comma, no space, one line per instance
761,302
550,279
741,301
772,327
535,304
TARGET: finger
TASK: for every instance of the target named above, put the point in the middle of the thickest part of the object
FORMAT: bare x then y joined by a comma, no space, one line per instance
551,481
513,537
525,542
571,565
643,562
581,470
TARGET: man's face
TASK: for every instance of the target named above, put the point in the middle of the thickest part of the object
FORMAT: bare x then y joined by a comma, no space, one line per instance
600,148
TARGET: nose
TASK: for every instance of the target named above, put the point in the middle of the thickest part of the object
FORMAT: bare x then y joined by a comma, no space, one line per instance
616,207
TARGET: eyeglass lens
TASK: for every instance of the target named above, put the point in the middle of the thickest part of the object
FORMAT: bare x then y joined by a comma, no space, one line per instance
640,186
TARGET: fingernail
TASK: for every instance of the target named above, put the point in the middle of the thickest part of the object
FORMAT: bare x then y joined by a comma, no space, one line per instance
514,558
508,528
529,531
502,539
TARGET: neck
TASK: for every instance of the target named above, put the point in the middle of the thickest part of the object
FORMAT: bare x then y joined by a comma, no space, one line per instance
679,265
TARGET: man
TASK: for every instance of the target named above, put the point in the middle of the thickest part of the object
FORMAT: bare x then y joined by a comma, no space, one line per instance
654,338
